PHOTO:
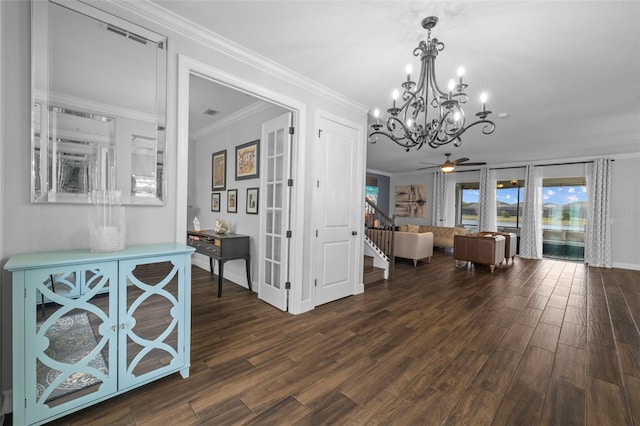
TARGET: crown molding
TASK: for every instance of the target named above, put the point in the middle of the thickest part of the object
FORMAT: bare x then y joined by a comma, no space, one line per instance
147,9
237,116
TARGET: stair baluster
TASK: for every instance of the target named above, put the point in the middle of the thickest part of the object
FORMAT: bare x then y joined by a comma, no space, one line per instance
380,229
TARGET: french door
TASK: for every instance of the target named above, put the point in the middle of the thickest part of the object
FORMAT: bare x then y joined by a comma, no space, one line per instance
275,212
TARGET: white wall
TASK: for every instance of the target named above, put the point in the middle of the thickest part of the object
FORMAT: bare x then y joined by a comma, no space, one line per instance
30,227
3,409
625,199
228,138
625,213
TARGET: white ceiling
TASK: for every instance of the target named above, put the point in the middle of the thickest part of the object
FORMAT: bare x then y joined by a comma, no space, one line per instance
205,94
566,72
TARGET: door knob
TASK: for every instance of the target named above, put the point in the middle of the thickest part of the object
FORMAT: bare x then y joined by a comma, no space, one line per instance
354,232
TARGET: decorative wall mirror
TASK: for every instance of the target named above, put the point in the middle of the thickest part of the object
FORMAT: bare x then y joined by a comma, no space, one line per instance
99,105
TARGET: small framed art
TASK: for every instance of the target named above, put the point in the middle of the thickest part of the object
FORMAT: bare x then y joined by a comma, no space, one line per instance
232,201
219,170
215,202
248,160
252,200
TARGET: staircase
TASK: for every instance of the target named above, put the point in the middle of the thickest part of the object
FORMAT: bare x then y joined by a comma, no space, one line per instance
379,238
371,274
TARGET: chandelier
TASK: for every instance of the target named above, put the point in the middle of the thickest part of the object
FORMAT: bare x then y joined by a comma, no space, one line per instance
409,124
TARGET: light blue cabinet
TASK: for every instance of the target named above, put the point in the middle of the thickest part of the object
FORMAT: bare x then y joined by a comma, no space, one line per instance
89,326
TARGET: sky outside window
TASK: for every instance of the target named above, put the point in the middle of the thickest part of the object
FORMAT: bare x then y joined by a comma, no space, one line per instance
553,194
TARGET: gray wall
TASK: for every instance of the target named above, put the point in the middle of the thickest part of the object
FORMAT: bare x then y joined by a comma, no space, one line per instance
228,138
30,227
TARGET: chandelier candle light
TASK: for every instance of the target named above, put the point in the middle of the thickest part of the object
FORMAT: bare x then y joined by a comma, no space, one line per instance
409,125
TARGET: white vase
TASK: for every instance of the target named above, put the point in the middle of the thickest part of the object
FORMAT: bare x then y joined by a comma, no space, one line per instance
106,221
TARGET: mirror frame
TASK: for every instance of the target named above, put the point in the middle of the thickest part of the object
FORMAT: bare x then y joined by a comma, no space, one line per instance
149,189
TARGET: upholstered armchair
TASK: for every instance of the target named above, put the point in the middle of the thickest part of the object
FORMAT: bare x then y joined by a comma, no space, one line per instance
510,244
487,249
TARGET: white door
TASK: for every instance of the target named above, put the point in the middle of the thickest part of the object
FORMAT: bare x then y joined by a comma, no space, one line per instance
336,206
274,202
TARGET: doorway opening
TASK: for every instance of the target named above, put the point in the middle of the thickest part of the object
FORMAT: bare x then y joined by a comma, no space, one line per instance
217,114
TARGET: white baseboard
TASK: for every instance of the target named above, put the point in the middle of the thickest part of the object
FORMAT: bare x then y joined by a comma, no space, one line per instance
632,266
203,263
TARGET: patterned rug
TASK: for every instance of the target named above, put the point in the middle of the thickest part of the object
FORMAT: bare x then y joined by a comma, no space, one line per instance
70,340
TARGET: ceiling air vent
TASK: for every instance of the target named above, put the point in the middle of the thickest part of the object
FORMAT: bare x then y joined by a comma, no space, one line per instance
127,34
209,111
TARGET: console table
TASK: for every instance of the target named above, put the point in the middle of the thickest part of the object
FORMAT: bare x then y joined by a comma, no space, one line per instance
221,247
88,326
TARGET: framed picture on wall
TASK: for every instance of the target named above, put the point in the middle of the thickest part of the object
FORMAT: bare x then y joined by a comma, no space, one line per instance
215,202
219,170
252,200
248,160
232,201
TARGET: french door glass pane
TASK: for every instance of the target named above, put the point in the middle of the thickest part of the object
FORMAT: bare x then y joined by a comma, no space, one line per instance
277,218
270,169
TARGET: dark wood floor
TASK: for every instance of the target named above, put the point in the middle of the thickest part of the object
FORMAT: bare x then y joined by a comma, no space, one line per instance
538,342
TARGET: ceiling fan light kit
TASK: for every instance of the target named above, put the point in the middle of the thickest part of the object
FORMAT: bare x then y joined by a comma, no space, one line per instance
450,165
409,124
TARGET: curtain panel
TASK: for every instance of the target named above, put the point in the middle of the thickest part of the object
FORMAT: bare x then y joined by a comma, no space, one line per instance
531,231
598,232
449,200
439,195
443,208
487,211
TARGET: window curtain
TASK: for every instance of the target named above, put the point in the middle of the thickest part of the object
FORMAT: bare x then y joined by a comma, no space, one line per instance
443,207
450,200
598,232
531,232
487,214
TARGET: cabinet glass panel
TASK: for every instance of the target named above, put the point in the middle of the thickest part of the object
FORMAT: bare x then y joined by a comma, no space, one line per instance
71,357
150,325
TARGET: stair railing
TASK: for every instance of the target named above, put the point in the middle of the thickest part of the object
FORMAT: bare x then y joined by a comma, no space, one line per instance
380,229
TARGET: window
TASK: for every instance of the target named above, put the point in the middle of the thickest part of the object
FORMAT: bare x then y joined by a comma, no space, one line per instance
509,207
564,217
467,197
509,198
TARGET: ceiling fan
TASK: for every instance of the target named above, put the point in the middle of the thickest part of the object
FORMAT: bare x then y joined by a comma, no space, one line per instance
449,165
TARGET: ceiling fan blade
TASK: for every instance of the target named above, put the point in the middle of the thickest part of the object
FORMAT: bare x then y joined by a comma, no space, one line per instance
423,162
460,160
479,163
429,167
